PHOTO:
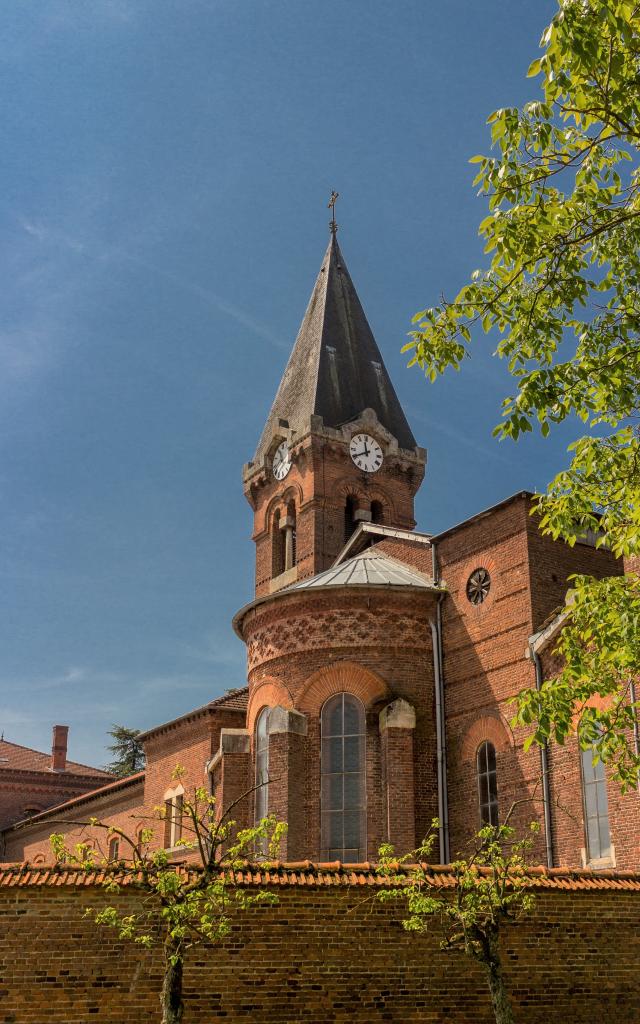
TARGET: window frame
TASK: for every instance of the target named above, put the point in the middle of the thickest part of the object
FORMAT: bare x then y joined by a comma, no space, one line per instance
598,782
328,850
261,750
173,813
487,785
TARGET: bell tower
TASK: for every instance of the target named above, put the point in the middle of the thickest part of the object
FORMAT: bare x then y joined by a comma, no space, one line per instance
336,449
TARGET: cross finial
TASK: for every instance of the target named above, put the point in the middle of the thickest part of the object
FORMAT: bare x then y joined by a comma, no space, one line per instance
332,206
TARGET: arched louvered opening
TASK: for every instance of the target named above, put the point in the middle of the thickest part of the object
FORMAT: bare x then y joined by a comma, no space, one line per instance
277,546
290,536
350,522
377,512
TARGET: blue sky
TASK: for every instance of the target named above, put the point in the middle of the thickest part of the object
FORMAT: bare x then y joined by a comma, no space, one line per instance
163,187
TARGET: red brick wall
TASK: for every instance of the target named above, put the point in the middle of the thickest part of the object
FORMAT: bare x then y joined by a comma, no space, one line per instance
387,634
189,744
484,665
309,959
551,563
20,790
122,809
414,553
321,478
567,817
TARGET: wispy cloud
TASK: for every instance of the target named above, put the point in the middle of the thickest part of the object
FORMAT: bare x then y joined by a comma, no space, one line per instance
52,275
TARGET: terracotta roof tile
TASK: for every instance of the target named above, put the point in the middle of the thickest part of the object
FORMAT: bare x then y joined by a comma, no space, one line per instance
328,874
15,757
233,700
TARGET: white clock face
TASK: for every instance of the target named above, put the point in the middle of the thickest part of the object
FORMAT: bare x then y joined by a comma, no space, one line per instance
281,461
366,452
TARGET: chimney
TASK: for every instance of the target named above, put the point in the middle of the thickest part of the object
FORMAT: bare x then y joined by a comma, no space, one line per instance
59,748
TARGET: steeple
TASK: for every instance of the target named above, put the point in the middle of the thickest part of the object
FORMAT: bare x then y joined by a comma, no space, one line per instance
335,369
336,449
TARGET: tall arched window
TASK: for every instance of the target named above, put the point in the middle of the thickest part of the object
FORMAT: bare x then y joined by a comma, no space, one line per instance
487,783
290,537
262,764
596,806
343,780
277,546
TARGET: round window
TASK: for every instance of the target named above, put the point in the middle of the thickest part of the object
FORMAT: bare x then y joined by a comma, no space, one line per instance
478,586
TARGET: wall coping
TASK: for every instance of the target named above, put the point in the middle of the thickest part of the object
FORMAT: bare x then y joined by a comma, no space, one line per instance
309,874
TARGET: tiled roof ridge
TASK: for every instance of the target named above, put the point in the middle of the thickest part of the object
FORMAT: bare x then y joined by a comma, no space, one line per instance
93,794
334,873
99,772
230,694
203,709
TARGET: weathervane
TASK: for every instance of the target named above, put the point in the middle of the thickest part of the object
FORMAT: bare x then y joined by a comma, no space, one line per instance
332,206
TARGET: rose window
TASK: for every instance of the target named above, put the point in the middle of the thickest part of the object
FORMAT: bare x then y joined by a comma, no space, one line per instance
478,586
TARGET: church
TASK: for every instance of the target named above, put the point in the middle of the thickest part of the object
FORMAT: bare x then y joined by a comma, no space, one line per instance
381,660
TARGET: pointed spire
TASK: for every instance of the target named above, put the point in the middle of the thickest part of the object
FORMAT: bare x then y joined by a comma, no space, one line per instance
335,369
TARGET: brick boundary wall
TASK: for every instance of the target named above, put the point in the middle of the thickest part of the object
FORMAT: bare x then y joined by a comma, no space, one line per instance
326,953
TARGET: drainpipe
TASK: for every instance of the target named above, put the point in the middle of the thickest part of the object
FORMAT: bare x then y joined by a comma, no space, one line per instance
636,733
441,736
544,769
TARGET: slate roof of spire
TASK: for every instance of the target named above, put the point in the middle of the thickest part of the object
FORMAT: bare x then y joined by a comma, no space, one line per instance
335,369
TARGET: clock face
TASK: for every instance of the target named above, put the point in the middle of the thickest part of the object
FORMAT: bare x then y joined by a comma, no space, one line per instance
281,461
366,452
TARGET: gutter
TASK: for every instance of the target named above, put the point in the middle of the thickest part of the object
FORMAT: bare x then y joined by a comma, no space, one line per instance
441,735
636,732
544,768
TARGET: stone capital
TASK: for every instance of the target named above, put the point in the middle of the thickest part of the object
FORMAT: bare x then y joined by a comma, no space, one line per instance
283,720
399,714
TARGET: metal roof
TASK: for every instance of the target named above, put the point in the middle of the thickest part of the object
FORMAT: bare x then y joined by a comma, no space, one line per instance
335,369
369,568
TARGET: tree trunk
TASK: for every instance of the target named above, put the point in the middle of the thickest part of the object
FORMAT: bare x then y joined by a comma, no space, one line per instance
171,996
499,994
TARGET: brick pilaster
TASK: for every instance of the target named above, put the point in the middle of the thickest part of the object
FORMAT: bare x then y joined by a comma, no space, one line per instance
287,759
397,724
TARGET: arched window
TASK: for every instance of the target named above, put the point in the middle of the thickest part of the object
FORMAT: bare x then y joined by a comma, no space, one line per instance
290,537
277,546
487,783
350,509
262,763
114,848
596,806
377,512
343,780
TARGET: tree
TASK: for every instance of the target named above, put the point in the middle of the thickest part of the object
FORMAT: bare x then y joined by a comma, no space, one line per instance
184,906
127,750
562,293
489,891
